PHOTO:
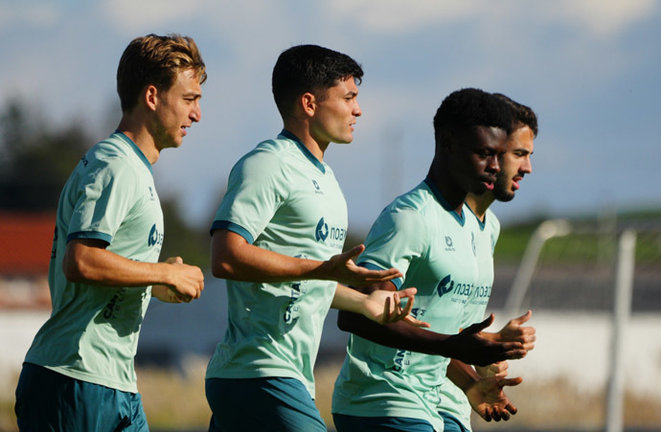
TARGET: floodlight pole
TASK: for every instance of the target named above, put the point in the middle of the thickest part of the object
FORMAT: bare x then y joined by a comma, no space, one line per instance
621,314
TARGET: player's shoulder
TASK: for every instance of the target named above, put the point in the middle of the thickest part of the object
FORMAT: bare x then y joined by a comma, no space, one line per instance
267,152
408,208
418,200
117,158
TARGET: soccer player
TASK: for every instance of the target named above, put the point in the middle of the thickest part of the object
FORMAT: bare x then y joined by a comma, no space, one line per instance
455,407
389,380
277,238
79,374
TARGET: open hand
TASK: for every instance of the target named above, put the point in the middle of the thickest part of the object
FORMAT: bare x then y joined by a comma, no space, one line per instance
514,331
343,269
488,399
470,347
385,307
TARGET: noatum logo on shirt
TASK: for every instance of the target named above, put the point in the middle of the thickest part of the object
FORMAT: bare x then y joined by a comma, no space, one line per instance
323,232
155,237
447,285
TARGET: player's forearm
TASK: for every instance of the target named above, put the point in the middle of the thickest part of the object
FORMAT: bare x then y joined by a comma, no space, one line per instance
87,262
232,257
461,374
349,299
394,335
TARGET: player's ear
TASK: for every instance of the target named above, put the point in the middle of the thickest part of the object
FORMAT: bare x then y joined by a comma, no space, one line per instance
150,97
308,103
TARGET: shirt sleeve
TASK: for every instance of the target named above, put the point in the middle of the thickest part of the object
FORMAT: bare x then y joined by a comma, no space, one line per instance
103,197
395,240
256,189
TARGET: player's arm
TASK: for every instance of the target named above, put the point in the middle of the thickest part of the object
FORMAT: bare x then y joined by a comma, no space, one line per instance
88,261
485,395
382,306
468,345
232,257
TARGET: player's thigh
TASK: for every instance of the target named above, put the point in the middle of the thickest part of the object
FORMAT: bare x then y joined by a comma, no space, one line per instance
273,404
348,423
47,400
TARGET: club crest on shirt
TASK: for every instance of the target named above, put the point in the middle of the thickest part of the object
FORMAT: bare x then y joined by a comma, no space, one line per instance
317,188
449,245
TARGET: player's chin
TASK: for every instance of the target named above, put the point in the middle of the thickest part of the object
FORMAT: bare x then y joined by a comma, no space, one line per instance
345,139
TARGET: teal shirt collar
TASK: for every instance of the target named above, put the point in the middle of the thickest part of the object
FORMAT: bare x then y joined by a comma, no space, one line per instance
135,148
441,200
286,134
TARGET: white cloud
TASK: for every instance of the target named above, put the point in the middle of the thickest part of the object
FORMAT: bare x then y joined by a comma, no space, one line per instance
134,16
402,17
601,18
30,15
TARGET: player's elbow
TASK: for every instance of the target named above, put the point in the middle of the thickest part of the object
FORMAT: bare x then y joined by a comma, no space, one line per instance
75,269
222,269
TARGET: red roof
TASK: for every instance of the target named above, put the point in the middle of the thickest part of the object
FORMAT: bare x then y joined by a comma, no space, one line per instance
26,240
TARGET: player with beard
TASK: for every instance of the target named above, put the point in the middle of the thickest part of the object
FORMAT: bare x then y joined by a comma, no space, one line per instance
455,406
391,376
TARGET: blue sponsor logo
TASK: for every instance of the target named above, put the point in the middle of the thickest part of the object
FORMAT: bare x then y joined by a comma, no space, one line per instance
473,243
321,233
445,285
155,237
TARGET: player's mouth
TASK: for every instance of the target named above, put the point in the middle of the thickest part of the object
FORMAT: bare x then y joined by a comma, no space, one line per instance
184,132
488,182
515,182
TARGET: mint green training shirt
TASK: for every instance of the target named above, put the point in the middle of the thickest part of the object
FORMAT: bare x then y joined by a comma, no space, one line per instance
92,333
280,198
431,245
452,399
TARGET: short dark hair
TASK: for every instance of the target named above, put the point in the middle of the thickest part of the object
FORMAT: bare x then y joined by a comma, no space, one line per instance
523,115
156,60
309,68
467,108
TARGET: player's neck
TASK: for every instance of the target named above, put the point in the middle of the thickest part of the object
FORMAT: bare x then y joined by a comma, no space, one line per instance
452,194
479,203
138,133
302,132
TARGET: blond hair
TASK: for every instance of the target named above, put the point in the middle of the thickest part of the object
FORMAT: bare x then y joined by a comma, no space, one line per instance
155,60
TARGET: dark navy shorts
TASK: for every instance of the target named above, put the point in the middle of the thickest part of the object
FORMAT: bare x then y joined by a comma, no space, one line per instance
349,423
47,400
451,424
261,404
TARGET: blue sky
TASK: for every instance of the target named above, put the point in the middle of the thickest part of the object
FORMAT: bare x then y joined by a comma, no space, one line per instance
591,70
